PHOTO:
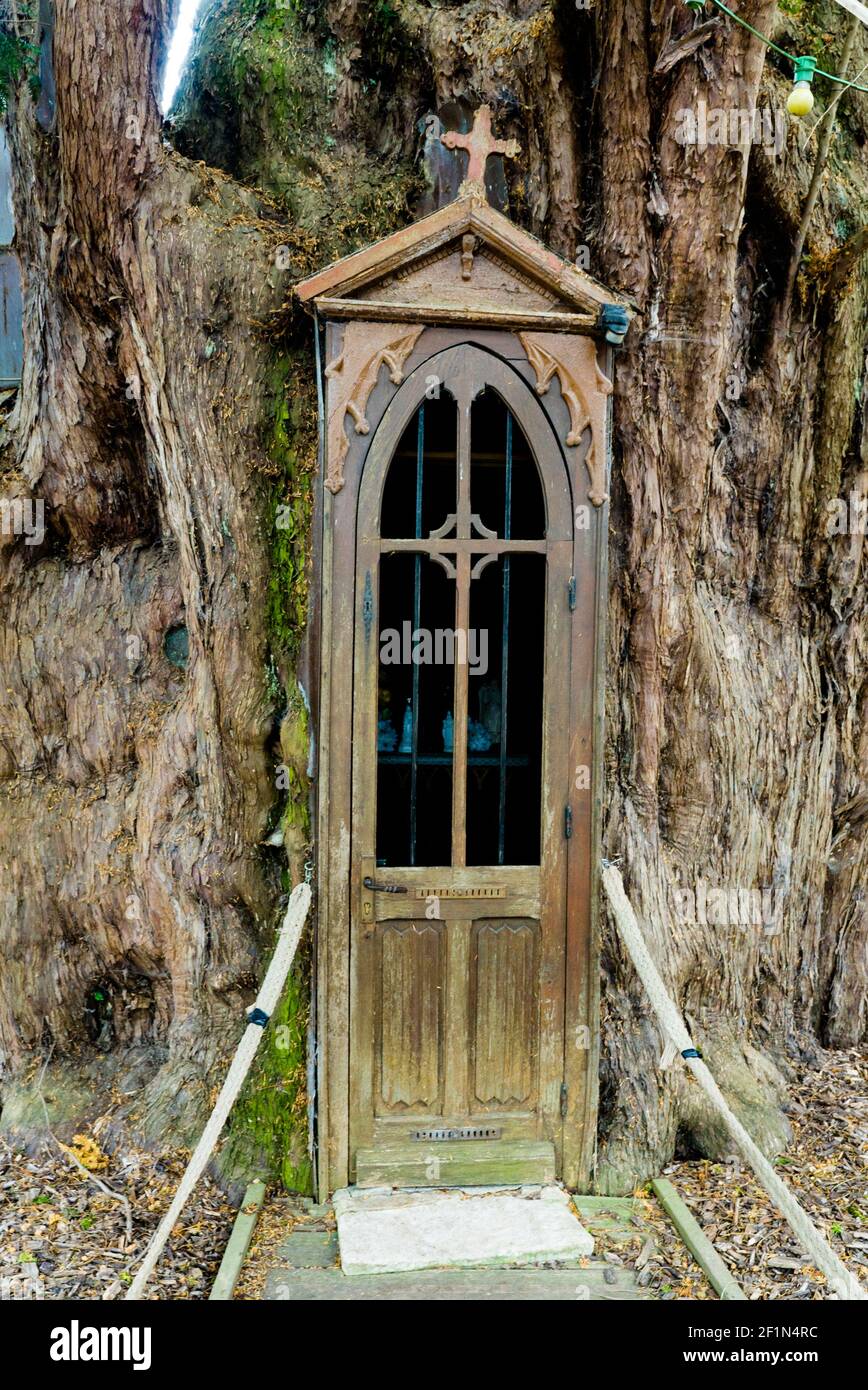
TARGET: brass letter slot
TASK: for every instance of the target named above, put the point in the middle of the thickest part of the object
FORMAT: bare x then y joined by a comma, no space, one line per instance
488,891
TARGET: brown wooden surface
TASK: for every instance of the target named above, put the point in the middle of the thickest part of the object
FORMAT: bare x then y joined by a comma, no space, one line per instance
450,224
365,1079
435,1036
370,310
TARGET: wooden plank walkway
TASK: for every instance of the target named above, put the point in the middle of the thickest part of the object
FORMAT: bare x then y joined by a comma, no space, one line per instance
295,1256
511,1285
305,1266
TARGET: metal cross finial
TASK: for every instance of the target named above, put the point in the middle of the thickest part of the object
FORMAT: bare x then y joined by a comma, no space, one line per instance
479,144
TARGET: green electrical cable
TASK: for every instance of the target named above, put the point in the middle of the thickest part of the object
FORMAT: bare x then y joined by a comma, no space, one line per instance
818,72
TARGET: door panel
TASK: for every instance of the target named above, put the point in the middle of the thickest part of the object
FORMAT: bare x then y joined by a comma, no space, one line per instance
408,1030
457,970
504,1014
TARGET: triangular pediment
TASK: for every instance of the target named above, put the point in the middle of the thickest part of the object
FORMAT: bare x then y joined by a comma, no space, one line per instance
466,262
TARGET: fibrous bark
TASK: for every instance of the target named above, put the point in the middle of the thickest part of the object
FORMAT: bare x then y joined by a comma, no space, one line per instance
167,411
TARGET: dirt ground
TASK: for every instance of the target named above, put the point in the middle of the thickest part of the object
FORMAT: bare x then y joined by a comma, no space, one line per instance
62,1236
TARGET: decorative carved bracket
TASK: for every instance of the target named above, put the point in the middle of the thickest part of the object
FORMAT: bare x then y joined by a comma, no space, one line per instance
352,377
584,387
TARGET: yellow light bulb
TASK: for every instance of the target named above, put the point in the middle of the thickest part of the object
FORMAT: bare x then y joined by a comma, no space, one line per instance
801,99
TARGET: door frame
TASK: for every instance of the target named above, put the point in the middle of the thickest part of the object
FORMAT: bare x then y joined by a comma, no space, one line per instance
328,673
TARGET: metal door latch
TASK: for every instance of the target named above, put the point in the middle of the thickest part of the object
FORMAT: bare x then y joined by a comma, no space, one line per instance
373,887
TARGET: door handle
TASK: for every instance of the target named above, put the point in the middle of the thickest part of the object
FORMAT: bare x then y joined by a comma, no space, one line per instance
372,887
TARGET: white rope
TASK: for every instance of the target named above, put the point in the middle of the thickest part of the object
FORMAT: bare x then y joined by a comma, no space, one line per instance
840,1280
266,1000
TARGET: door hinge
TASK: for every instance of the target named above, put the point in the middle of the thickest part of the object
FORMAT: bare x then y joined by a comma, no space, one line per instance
568,821
564,1099
571,593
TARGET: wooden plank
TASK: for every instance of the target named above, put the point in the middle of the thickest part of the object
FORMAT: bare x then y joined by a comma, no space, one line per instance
430,233
324,935
698,1244
460,1163
365,944
550,321
520,896
456,1058
568,1285
340,521
514,1125
238,1244
587,702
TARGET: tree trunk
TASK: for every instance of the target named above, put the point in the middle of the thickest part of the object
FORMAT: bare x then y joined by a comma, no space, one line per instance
152,729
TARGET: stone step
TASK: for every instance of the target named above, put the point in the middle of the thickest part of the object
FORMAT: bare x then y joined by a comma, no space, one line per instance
385,1232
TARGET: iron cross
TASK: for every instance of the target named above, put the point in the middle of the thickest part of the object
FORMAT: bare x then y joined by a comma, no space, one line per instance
479,144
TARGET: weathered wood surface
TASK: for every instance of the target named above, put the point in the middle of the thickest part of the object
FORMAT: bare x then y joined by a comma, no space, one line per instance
456,1163
446,984
238,1244
719,1276
456,1285
466,214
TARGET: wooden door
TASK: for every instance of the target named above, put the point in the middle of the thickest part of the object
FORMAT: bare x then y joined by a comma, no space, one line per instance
461,751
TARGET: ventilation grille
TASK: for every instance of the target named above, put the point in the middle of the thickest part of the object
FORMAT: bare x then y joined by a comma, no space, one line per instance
436,1135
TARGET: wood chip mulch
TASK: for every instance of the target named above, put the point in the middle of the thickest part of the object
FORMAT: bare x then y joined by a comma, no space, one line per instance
824,1166
61,1237
282,1213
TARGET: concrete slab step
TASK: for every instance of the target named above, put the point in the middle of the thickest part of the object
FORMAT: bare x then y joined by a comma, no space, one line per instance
383,1232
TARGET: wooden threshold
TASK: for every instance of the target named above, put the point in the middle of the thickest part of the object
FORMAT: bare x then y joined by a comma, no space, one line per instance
462,1163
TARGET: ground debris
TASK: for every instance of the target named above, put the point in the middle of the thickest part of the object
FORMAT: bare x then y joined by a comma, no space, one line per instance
825,1168
62,1238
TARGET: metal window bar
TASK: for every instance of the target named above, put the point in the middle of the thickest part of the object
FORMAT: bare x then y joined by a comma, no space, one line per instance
417,619
504,653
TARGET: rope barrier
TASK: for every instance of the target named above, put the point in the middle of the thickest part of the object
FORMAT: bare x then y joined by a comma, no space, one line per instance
266,1000
840,1280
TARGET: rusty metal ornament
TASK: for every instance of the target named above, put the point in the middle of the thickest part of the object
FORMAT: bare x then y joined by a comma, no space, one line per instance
480,143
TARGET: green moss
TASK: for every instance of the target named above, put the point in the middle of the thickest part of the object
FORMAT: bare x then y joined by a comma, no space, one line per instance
259,100
259,82
17,57
269,1131
292,442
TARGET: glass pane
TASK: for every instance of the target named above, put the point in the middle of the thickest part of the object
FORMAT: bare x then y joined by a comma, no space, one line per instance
421,484
416,674
499,455
504,735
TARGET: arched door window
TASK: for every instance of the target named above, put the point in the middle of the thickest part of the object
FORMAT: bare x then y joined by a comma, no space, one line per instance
461,643
464,532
